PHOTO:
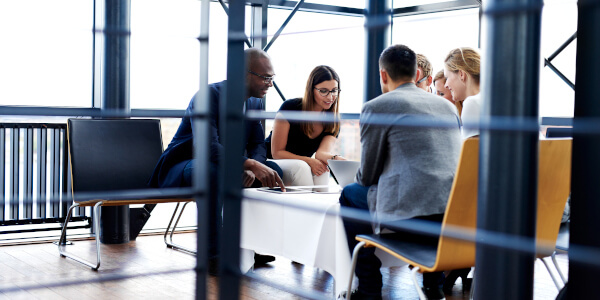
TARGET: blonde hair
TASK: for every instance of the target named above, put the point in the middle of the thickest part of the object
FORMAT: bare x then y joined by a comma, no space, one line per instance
318,75
466,59
439,75
424,64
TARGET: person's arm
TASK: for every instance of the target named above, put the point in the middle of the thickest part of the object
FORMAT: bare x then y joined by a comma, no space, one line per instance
215,144
255,139
324,152
373,140
279,139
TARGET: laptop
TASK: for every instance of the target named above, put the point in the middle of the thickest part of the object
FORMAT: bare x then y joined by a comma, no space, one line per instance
343,171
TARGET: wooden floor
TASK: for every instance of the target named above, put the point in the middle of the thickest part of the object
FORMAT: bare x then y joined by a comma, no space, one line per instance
147,269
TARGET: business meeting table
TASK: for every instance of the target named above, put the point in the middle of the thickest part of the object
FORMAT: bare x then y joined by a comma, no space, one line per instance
276,224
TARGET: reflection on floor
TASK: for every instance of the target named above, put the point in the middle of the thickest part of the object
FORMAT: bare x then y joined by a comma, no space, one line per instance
147,269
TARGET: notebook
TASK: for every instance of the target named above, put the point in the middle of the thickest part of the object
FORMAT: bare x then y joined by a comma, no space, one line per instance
343,171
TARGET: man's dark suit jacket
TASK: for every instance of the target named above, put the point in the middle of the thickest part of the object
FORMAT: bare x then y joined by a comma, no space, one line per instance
169,169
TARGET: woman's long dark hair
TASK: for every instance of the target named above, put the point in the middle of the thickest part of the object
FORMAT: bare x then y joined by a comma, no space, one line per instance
318,75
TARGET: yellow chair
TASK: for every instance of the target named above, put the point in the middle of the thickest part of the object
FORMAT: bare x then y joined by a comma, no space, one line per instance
461,214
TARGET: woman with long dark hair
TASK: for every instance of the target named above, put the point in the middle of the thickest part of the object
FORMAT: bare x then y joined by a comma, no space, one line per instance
302,148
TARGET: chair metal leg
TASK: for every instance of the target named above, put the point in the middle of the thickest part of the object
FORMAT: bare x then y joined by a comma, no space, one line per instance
168,237
560,273
472,292
354,259
551,274
414,272
63,237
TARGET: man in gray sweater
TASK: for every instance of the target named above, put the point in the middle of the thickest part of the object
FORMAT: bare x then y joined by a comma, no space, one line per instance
406,172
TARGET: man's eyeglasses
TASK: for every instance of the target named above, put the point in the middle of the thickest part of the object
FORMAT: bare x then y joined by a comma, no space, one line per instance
422,79
325,92
266,79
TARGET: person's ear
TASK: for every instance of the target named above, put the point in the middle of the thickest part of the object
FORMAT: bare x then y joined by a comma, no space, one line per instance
384,76
463,75
429,80
418,75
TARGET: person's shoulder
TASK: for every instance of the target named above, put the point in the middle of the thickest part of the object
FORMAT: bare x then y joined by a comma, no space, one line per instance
391,97
475,99
254,103
217,85
292,104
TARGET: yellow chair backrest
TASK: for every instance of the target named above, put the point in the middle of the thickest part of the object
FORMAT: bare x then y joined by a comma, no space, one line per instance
461,211
554,173
554,185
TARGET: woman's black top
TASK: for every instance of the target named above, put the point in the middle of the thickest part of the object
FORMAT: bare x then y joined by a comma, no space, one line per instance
297,142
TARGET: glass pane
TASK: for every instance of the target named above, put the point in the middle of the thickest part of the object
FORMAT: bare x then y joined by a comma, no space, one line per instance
165,52
557,99
427,34
46,52
312,39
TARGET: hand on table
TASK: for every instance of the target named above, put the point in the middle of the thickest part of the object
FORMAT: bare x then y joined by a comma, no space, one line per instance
267,176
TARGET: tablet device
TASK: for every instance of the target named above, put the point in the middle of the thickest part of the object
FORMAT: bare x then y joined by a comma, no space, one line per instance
288,190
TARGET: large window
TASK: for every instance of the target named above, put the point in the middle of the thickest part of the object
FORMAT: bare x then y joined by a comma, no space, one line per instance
312,39
434,35
557,99
165,51
46,53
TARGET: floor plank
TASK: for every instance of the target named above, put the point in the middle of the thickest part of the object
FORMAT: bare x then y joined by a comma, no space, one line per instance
154,271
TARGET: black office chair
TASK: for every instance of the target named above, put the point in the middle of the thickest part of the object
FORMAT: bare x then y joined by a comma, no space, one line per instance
111,156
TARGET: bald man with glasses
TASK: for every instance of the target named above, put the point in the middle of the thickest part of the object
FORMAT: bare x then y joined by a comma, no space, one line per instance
176,164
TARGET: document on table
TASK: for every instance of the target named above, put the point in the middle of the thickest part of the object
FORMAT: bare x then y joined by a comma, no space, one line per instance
321,189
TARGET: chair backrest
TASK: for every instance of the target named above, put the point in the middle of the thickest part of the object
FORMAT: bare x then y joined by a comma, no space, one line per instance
554,173
554,185
559,132
461,211
109,155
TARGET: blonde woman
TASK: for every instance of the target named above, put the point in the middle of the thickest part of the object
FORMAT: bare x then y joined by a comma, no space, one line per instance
292,143
461,69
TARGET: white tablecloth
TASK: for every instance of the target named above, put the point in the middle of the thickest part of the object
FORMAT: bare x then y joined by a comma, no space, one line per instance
312,238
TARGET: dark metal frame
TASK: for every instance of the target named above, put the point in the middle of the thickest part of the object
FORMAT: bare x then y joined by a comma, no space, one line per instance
231,127
201,185
548,61
230,280
586,146
507,190
435,8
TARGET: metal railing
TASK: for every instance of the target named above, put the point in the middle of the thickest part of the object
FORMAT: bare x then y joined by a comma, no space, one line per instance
35,184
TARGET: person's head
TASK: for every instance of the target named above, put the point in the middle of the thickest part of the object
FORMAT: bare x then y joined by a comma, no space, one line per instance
424,72
259,75
439,82
322,94
397,65
461,69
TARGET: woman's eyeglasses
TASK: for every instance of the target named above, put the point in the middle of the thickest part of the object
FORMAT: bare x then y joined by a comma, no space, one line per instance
266,79
325,92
